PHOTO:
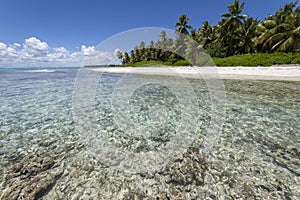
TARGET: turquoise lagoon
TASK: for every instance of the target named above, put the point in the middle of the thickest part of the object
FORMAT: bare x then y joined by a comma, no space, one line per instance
257,154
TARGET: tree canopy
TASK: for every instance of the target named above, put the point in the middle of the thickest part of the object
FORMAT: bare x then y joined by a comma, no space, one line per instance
236,33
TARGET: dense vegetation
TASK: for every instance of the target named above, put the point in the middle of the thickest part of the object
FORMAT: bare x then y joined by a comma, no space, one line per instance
230,41
259,59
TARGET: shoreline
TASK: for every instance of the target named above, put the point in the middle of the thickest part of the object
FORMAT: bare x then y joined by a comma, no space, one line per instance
280,72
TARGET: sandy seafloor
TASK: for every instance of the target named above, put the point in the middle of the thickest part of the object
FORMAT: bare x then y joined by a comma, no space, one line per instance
257,156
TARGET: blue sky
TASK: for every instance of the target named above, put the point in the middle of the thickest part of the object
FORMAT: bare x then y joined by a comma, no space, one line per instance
73,23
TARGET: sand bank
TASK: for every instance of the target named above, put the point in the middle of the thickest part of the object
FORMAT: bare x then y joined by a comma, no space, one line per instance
290,73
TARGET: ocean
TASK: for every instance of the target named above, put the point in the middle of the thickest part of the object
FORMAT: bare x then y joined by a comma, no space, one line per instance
113,136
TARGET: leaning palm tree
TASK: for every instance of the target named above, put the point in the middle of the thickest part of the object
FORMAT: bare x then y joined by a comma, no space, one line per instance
182,25
281,32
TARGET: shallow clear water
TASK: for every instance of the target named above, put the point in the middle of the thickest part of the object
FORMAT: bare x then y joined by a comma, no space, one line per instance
262,122
34,105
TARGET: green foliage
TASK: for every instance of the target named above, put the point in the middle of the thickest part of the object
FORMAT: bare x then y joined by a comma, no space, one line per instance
145,64
181,63
231,26
168,63
159,63
216,49
235,34
296,59
259,59
182,24
281,32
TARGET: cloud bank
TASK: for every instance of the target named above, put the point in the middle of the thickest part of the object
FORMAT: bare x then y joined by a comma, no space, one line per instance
36,53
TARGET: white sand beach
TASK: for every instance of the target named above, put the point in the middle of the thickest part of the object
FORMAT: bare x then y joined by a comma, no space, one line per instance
289,73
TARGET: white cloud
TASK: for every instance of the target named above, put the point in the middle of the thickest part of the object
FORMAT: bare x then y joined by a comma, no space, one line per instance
7,52
35,52
12,53
61,50
35,48
2,46
3,49
59,54
88,50
16,44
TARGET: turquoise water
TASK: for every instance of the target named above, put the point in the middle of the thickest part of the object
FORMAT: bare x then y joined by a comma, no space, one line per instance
34,104
259,142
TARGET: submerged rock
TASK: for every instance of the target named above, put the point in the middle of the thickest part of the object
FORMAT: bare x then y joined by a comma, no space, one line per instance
85,178
31,178
189,169
286,156
227,173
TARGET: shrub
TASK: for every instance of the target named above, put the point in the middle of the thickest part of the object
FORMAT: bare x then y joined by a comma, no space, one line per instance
182,63
259,59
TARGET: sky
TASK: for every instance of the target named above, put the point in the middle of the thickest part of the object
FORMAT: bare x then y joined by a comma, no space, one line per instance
64,32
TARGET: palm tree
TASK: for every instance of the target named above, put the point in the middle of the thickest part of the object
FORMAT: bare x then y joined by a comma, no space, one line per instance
231,23
233,17
137,54
206,34
182,24
194,35
126,58
142,49
192,50
281,32
248,35
132,58
121,57
162,41
142,45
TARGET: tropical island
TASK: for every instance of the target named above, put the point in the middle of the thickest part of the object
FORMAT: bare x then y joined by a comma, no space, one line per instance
236,40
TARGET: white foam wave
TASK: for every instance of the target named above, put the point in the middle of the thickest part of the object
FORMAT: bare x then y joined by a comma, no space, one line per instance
42,71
